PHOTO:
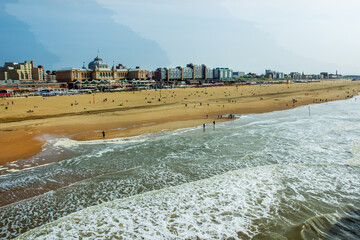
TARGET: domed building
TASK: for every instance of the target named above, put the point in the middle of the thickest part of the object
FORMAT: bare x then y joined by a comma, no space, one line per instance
98,63
99,70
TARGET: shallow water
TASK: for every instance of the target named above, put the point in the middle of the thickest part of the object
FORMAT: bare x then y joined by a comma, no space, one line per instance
263,176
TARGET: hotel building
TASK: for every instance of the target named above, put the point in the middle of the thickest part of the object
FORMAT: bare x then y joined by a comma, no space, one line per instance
190,72
99,70
222,74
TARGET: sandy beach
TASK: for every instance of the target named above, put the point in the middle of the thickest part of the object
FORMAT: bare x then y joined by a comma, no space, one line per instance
26,121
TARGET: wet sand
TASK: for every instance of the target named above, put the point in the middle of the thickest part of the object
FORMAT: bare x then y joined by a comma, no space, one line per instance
83,117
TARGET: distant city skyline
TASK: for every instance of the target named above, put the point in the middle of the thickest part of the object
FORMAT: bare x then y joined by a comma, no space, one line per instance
287,36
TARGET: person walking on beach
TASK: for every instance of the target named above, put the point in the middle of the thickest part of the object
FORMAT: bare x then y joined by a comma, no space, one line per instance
103,133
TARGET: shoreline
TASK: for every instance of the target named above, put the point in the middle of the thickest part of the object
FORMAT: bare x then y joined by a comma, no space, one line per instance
141,113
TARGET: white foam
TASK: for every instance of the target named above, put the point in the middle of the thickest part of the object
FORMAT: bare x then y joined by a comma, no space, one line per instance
215,208
69,143
355,161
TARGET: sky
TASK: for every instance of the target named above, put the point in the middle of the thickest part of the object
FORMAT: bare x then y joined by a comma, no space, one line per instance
309,36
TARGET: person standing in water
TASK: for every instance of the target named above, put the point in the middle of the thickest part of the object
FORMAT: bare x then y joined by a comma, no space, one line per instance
103,133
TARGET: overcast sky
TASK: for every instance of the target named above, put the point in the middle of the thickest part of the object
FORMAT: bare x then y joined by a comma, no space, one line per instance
308,36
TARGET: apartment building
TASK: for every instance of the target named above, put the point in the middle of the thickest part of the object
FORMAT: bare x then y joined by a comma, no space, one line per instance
25,72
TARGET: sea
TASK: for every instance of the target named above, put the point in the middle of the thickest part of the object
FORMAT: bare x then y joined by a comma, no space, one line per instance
290,174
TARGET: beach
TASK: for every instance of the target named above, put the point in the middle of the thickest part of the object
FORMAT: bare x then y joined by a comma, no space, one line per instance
290,174
27,121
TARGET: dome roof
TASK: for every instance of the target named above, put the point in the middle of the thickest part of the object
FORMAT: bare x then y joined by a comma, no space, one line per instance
98,63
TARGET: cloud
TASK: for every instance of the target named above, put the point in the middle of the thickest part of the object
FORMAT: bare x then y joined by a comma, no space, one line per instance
324,30
248,35
310,36
75,30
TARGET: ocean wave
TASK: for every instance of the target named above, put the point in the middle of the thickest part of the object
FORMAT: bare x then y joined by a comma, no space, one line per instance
240,203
